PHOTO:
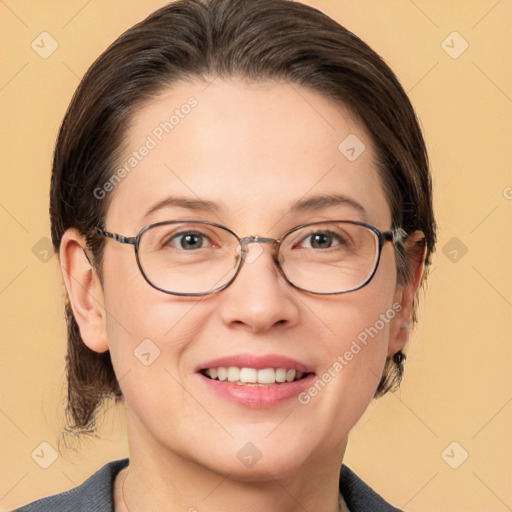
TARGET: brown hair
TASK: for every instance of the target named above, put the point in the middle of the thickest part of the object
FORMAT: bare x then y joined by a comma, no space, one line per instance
254,39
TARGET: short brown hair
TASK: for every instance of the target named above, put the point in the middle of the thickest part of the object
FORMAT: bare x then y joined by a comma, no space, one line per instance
254,39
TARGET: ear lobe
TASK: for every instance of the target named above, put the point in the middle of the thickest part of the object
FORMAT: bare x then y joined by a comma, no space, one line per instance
84,290
416,251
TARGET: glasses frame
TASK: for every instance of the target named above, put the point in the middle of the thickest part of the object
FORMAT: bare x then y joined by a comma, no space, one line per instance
393,235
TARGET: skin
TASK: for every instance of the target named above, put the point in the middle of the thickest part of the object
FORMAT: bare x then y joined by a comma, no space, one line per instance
253,150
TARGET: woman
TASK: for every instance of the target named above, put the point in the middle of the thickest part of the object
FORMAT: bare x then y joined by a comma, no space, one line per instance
269,171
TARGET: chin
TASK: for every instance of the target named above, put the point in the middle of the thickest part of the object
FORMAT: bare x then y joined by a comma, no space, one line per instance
264,470
263,461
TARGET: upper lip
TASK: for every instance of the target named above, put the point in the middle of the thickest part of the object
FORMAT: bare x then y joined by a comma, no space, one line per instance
259,362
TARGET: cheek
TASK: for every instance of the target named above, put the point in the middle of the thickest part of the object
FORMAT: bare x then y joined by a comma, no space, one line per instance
142,319
145,327
149,334
357,345
358,348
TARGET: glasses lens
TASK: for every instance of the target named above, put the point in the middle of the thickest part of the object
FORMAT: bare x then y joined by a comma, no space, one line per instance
329,257
188,257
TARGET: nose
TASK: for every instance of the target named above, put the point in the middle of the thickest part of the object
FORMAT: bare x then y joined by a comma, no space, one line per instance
259,298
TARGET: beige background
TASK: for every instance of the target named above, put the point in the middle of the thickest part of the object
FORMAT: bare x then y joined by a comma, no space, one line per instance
458,380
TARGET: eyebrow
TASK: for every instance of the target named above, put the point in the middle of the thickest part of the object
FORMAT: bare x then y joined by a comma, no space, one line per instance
320,202
183,202
313,203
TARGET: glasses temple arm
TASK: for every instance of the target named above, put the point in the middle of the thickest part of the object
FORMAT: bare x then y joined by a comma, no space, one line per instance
115,236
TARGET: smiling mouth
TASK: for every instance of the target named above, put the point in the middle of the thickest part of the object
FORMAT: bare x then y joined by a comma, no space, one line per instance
252,376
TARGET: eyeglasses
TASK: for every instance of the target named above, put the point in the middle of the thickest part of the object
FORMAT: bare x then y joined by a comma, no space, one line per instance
193,258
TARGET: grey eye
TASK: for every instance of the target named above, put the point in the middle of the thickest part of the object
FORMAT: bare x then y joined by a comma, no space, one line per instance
188,241
321,240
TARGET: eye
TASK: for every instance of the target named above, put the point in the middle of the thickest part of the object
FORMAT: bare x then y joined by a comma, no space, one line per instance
188,240
321,240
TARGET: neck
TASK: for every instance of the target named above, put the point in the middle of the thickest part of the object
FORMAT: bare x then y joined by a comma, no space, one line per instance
159,479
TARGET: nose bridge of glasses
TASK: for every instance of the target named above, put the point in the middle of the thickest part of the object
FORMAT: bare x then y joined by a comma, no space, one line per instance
257,240
244,242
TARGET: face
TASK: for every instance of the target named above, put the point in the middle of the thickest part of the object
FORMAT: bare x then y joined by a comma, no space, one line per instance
253,151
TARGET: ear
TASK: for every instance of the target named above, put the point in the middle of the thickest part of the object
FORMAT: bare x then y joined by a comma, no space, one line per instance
84,291
416,250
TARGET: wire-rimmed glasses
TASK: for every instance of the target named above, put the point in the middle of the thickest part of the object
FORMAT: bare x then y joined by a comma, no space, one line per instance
194,258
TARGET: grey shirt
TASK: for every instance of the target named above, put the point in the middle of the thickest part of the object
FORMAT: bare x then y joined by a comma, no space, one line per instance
95,494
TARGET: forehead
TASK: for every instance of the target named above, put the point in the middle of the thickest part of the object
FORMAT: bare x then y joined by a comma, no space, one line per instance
252,149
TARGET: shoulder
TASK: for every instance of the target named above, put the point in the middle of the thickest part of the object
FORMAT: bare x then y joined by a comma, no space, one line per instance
94,495
359,496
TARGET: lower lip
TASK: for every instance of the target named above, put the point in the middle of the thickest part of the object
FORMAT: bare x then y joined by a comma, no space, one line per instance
255,396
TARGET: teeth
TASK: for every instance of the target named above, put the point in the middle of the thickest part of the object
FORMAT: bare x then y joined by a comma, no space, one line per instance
253,376
249,375
281,375
266,376
233,374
